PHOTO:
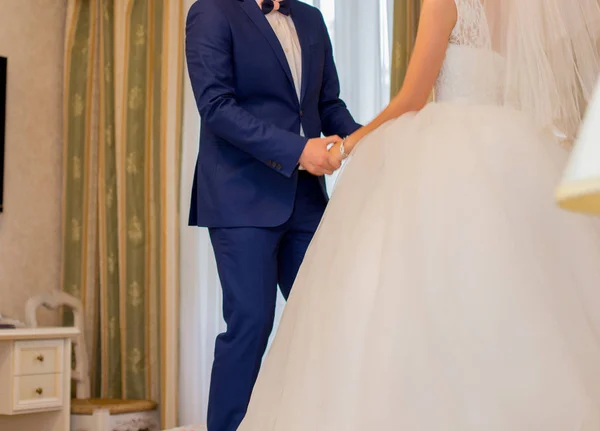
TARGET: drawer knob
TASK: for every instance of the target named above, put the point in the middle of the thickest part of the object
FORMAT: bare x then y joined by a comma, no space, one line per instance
39,391
40,358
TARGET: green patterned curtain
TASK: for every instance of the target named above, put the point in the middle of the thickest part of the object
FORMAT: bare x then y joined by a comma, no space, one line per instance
115,163
406,19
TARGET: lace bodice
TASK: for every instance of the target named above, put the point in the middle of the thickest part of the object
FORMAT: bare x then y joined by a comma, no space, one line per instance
471,26
471,71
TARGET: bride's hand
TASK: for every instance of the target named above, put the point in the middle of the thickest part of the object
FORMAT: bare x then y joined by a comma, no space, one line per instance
349,144
335,157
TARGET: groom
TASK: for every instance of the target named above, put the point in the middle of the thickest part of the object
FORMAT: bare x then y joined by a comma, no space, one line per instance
266,87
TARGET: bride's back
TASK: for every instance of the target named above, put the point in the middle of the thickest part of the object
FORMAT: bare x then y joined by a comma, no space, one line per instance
539,56
472,71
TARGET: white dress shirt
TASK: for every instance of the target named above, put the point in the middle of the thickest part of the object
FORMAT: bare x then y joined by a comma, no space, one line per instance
285,30
286,33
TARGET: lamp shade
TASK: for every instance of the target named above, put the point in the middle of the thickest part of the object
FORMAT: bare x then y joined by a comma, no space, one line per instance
580,187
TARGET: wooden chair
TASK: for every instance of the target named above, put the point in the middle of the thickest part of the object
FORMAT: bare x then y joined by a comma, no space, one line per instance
90,414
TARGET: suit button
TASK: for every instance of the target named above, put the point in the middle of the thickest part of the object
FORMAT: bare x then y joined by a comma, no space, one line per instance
302,113
278,166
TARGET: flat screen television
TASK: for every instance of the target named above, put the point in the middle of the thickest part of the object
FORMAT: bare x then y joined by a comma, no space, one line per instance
3,71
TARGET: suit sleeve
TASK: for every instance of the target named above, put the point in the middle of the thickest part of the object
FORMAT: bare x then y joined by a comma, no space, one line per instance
335,117
210,65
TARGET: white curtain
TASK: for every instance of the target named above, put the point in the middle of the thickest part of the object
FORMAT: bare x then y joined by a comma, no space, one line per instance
360,33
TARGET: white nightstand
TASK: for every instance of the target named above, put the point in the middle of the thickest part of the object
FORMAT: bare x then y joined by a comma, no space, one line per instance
35,379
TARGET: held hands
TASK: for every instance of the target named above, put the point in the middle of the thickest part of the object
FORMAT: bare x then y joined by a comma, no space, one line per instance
335,153
316,159
322,156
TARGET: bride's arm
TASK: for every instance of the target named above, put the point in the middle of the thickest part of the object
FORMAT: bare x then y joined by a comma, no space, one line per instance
437,20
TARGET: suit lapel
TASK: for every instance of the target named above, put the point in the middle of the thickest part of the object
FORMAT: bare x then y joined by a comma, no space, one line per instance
300,22
256,15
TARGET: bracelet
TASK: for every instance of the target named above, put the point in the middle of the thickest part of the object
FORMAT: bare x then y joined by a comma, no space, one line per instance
342,149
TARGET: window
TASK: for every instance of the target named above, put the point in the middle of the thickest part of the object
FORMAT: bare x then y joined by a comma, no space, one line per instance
361,36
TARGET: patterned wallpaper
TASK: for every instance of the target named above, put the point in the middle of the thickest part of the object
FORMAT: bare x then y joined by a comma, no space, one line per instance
32,37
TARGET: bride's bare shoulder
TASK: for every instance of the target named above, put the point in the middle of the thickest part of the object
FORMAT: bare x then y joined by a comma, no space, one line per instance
448,4
444,11
445,5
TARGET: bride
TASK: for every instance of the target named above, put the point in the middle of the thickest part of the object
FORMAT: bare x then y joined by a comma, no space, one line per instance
443,290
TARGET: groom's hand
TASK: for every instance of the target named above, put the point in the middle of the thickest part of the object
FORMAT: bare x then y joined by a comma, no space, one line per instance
315,157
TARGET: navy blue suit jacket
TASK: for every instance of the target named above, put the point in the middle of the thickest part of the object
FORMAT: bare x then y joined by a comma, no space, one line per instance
246,173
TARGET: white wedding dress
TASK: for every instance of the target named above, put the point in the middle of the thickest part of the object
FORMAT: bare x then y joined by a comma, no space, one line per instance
443,291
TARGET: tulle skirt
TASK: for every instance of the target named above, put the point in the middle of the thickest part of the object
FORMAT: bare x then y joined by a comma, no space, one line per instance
443,291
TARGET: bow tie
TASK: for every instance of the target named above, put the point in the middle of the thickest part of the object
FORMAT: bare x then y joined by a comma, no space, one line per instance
269,5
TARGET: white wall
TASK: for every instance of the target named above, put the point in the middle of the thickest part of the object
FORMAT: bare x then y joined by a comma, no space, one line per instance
32,37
